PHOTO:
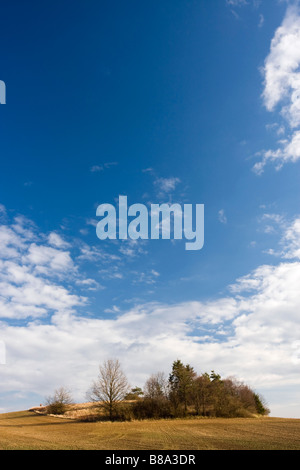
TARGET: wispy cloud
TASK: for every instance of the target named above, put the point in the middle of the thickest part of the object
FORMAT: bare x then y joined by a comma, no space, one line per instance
133,248
236,3
57,241
261,21
90,284
165,186
291,241
2,210
272,223
222,217
241,3
102,167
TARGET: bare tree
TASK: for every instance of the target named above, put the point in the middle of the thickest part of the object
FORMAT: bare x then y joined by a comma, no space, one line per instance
156,386
201,392
57,404
110,388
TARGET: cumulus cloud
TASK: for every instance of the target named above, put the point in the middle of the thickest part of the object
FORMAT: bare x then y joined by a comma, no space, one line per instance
282,90
250,332
281,67
46,259
31,272
250,336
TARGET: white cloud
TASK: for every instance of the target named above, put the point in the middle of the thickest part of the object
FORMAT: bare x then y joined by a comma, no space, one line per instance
291,241
261,21
10,243
288,151
48,259
236,3
147,277
102,167
95,254
281,66
56,240
89,284
133,248
96,168
277,218
272,223
282,89
256,333
222,217
250,333
2,210
28,266
289,245
25,295
92,222
166,186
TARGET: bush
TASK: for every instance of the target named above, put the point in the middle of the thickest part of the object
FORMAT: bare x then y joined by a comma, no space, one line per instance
91,418
124,412
152,408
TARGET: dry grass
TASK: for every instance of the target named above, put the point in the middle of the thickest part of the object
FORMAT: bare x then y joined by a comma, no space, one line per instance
76,411
27,430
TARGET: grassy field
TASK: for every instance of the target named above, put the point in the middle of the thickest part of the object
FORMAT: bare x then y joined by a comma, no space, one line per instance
26,430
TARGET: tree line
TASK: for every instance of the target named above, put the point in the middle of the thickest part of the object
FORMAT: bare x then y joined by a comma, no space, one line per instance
183,393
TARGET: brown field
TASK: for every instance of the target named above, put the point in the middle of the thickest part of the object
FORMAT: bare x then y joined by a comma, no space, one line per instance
29,431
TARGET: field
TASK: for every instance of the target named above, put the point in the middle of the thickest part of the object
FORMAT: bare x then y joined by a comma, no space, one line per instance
29,431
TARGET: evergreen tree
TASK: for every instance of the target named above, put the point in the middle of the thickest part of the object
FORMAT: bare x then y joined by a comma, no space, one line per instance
181,384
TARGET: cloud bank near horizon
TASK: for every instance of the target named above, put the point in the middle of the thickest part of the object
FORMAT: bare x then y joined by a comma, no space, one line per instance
51,342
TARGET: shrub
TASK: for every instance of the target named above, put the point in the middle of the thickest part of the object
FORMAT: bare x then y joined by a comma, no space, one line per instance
152,408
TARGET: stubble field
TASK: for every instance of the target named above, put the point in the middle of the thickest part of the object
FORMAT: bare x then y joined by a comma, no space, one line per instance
29,431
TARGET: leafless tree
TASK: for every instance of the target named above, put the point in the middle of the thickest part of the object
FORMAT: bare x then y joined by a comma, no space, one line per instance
110,388
156,386
57,403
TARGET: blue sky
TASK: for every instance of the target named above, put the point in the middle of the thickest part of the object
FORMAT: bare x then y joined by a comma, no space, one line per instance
188,102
